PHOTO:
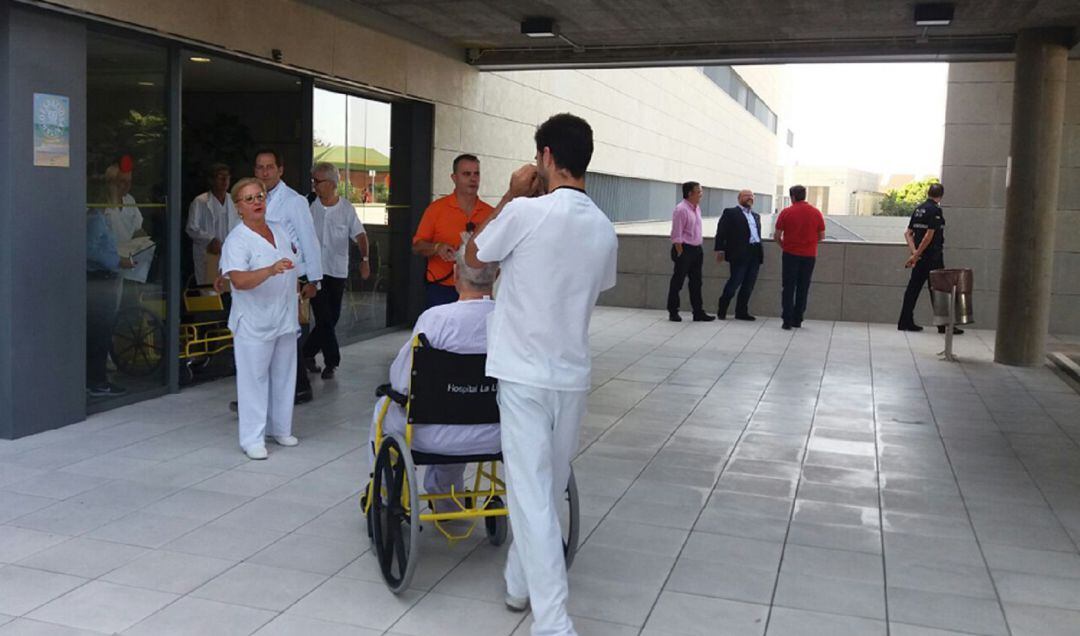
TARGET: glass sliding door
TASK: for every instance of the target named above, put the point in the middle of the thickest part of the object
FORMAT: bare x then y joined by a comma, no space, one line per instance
353,134
126,217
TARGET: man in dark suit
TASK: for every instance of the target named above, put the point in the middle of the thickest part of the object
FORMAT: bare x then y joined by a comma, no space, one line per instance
738,241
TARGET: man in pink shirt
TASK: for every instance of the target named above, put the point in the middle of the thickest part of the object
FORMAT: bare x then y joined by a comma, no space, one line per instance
686,252
799,228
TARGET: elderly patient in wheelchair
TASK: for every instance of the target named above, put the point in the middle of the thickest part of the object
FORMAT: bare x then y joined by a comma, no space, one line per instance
459,327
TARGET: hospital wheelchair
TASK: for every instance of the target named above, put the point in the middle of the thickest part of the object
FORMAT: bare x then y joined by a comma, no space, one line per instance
451,389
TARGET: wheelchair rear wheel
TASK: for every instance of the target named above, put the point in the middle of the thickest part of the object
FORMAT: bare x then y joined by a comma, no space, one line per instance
394,514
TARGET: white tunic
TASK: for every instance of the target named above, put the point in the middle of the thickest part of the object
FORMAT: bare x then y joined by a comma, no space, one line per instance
285,206
208,219
124,221
335,226
269,310
460,328
556,253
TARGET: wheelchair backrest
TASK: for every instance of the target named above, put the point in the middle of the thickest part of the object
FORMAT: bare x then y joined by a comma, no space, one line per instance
450,388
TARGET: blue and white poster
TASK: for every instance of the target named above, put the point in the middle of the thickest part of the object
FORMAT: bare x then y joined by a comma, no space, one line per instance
52,133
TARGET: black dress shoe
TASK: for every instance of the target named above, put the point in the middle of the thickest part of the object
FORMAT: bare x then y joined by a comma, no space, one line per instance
311,365
786,326
956,330
911,327
674,317
797,325
704,317
327,373
303,397
744,317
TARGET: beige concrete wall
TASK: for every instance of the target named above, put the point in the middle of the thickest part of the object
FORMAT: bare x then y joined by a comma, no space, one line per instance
666,124
861,282
977,129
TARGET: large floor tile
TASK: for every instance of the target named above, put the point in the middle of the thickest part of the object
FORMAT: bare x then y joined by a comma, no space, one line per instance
169,571
104,607
259,586
194,617
678,613
23,589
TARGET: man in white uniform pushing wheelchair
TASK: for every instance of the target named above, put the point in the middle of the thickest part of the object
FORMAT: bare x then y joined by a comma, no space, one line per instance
439,411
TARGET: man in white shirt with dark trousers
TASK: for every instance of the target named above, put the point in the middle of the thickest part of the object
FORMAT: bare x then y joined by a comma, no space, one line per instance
557,252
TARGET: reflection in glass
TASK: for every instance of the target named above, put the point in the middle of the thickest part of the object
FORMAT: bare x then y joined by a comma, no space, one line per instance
353,134
126,216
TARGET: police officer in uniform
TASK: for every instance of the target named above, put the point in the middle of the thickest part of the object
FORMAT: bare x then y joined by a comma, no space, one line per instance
925,238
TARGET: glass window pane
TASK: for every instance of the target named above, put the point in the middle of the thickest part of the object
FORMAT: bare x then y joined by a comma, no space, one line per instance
126,220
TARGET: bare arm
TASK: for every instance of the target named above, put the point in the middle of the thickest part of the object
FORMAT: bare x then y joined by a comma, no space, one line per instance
256,277
918,252
524,182
821,236
909,238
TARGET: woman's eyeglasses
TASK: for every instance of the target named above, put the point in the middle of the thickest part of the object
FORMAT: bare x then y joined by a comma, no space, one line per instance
252,198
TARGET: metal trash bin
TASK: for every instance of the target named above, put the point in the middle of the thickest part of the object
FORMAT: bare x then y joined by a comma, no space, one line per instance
942,284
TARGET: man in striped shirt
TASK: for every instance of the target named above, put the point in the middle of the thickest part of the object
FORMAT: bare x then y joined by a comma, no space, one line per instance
686,253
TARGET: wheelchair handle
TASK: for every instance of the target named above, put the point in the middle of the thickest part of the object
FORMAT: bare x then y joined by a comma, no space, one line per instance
388,391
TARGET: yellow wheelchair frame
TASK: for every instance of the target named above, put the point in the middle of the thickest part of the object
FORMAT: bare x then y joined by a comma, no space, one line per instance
201,340
392,501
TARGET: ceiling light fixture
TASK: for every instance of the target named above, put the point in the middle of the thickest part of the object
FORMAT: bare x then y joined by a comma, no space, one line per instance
199,59
934,14
145,83
539,27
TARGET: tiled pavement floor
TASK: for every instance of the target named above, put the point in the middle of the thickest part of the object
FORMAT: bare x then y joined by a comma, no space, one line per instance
736,479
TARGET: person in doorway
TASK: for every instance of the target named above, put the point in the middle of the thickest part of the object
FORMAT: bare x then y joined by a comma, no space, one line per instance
259,259
439,234
557,253
925,237
123,216
458,327
287,207
799,229
686,252
738,241
103,265
210,218
336,223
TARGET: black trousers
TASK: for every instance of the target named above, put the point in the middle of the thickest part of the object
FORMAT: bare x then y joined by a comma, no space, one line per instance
744,274
795,276
302,381
102,294
439,294
920,277
686,266
326,305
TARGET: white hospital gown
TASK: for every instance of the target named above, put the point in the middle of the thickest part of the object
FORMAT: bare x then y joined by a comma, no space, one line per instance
459,327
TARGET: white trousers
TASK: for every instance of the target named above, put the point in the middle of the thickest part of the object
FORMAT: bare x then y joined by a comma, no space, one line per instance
265,387
539,438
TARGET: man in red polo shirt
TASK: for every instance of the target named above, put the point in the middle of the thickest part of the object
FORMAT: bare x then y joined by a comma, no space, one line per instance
438,236
799,228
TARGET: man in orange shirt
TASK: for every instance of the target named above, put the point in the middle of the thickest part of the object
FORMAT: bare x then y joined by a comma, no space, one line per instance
439,235
799,228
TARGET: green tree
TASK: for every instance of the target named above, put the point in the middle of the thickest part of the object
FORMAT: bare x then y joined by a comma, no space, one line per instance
903,200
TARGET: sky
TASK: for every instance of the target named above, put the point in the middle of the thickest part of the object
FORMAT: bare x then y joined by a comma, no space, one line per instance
885,118
367,123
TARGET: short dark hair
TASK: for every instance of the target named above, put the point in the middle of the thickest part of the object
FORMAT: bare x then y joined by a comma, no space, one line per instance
269,151
570,140
688,188
936,190
797,192
464,157
215,168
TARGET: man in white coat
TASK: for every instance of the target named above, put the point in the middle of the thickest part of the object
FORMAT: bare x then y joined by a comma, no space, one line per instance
287,207
557,253
210,217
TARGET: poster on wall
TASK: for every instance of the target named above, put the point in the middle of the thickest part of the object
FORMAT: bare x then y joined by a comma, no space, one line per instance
52,134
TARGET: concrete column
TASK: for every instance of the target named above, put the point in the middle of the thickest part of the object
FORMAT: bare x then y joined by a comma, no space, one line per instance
1027,253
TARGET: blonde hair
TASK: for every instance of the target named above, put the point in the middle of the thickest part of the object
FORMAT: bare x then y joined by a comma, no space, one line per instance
239,186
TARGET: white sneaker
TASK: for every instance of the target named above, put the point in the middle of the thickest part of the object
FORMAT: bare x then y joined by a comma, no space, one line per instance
516,603
256,452
285,440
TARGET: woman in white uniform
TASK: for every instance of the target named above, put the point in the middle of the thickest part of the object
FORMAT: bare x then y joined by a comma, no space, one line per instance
258,259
